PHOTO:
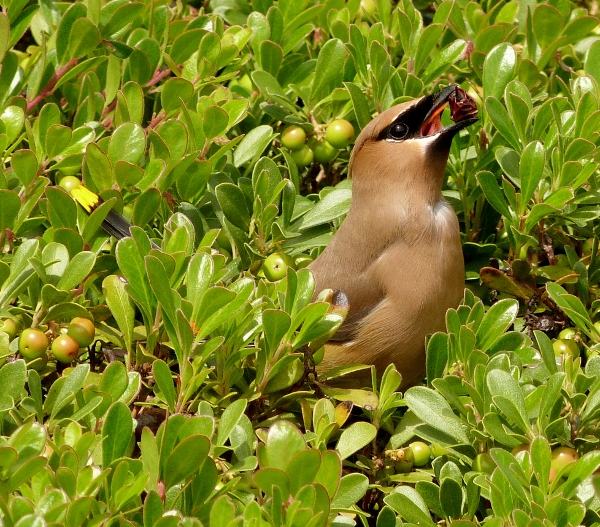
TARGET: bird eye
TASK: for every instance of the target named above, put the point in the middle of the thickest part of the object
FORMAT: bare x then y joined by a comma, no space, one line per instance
397,131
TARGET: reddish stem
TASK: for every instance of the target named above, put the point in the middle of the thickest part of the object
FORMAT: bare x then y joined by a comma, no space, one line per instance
49,88
158,76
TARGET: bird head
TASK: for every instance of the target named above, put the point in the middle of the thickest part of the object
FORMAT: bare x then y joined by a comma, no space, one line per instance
407,145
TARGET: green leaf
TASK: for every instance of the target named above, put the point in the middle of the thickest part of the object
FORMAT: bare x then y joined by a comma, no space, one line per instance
493,192
451,498
284,441
233,203
352,488
329,70
83,38
99,167
502,121
13,376
25,166
185,459
407,502
74,12
13,118
583,469
77,270
120,306
334,205
164,380
9,209
117,431
127,143
496,321
355,437
4,35
175,91
508,396
531,169
592,61
438,350
253,144
547,24
215,122
433,409
302,468
276,324
230,418
571,305
69,388
445,59
540,461
499,69
360,104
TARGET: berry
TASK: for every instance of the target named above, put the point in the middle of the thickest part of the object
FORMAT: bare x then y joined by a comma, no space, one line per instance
70,183
302,261
65,348
9,326
565,347
339,133
567,334
303,157
484,463
33,343
421,452
82,330
275,266
563,456
293,137
323,151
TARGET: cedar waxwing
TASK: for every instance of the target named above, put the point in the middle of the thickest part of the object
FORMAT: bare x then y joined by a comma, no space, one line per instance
397,256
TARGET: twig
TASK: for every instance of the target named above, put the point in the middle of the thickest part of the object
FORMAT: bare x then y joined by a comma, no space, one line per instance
158,76
49,88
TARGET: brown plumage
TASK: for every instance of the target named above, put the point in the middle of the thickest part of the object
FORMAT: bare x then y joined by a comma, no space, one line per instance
397,255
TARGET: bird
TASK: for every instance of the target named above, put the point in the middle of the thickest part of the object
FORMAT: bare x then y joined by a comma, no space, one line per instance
397,255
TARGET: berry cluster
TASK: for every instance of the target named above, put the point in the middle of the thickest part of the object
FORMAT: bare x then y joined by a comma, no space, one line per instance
339,135
34,343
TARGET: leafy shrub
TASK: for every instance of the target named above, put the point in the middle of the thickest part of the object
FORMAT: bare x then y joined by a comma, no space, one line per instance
195,404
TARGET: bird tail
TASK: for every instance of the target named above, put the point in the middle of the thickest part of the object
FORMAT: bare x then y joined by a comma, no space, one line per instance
114,224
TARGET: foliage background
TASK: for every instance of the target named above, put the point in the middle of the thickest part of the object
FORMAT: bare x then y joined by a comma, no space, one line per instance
190,408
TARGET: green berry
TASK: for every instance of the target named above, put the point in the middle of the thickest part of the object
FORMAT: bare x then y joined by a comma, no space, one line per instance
302,261
568,334
421,452
303,157
293,137
10,327
339,133
484,463
323,152
70,183
275,266
82,330
565,347
563,456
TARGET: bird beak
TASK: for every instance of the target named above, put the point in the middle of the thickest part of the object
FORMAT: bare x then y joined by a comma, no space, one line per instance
463,112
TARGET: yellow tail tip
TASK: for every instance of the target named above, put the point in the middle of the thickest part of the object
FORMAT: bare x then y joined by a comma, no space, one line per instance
86,198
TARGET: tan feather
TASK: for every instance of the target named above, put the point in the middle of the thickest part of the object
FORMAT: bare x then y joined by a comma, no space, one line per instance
397,255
